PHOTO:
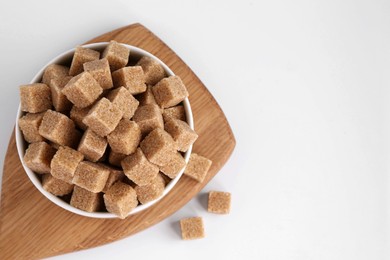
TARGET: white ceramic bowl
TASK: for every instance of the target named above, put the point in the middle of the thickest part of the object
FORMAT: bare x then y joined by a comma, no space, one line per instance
21,145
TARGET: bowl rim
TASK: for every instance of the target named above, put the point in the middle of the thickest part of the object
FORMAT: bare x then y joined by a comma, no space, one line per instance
21,144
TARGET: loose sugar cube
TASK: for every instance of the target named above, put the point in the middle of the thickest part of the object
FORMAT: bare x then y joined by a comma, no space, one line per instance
29,124
59,129
125,138
197,167
148,117
92,146
116,158
158,146
55,186
176,112
82,90
60,101
81,56
153,70
35,98
192,228
91,176
181,132
54,71
117,55
150,191
86,200
78,115
38,157
64,163
115,175
100,71
132,78
169,92
124,100
120,199
173,167
103,117
147,97
219,202
138,169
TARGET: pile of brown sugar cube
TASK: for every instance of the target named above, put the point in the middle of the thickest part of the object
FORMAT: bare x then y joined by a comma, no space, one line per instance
104,135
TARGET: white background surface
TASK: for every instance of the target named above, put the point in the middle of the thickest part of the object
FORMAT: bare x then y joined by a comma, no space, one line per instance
305,86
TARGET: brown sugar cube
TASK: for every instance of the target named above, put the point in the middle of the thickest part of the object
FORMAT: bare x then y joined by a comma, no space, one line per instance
120,199
115,175
117,55
147,97
59,129
124,100
86,200
100,71
219,202
181,132
169,92
132,78
64,163
116,158
148,117
81,56
150,191
197,167
91,176
125,138
60,101
173,167
56,186
138,169
82,90
38,157
29,124
35,98
158,146
92,145
192,228
153,70
176,112
103,117
78,115
54,71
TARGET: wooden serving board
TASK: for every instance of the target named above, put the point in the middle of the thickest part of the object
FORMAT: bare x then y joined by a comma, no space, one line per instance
33,227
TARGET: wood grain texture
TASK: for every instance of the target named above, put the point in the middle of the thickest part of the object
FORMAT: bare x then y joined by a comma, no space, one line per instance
32,227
